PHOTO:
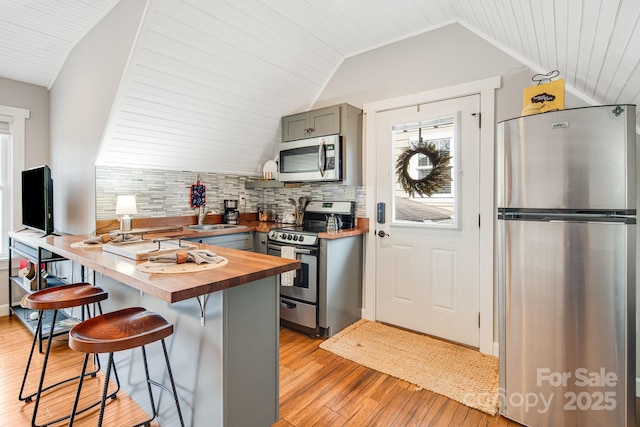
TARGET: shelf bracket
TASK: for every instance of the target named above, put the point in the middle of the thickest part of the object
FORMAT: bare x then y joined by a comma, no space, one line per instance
202,302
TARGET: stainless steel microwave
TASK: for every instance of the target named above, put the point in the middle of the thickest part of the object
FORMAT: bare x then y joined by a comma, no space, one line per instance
311,159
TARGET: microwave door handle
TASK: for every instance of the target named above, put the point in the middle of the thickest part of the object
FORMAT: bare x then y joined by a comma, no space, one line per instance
321,157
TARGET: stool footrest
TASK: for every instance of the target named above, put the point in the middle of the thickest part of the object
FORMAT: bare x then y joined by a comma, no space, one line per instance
30,397
111,395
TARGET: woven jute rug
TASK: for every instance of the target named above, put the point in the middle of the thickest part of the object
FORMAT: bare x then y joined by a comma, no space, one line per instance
459,373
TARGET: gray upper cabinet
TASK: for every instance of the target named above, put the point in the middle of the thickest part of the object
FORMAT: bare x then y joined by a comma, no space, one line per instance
342,119
321,122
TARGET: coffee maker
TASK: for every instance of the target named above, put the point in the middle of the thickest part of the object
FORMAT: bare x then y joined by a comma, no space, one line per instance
231,213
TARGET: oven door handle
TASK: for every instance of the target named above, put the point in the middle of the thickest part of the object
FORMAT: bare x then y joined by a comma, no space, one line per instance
298,250
288,305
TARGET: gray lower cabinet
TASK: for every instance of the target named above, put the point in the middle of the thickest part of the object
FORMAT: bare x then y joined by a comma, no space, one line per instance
340,283
260,242
240,241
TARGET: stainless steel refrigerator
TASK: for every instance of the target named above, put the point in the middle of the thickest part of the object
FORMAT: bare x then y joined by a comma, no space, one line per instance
566,198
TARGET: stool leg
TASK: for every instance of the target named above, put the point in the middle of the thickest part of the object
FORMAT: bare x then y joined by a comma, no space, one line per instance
44,368
77,399
173,385
173,392
105,389
101,402
26,371
153,405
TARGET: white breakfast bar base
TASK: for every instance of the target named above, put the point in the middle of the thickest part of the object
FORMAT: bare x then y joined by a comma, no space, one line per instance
226,371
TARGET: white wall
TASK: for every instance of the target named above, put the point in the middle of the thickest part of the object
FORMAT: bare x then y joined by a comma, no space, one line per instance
440,58
81,100
35,99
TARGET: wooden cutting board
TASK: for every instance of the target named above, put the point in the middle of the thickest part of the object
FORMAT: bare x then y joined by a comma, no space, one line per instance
142,249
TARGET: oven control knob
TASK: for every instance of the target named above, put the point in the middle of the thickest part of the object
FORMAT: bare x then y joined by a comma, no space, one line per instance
301,238
283,236
289,237
295,237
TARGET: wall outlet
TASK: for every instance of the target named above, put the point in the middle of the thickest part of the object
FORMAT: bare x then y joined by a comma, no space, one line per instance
350,193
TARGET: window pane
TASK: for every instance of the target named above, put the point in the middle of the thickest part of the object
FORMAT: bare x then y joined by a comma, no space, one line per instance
5,204
439,208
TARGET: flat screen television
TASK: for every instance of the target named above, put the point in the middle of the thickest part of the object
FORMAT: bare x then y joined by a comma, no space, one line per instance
37,199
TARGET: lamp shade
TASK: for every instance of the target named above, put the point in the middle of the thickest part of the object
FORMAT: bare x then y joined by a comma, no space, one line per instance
126,205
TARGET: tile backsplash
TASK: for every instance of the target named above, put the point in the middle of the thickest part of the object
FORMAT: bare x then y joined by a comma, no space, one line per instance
166,193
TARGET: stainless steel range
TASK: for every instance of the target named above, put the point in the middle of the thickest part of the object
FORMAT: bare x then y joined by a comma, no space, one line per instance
323,298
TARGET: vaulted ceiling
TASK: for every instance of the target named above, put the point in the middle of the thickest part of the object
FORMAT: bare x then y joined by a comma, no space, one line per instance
205,75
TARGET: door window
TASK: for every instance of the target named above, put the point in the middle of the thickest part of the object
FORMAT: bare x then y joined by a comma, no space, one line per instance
438,208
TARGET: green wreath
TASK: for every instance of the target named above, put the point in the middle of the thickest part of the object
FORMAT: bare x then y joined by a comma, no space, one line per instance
437,179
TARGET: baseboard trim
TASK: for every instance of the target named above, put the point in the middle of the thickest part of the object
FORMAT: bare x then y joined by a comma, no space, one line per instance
4,310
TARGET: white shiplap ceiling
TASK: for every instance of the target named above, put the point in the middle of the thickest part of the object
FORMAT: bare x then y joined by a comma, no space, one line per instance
208,80
36,36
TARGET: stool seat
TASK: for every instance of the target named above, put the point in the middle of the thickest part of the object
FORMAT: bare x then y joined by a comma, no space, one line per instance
64,296
119,330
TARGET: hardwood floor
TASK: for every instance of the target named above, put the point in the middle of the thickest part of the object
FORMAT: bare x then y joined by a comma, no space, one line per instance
15,343
317,388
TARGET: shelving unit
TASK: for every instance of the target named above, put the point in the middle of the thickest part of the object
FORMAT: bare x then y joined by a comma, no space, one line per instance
37,256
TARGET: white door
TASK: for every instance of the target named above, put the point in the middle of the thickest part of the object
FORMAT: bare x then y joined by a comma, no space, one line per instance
427,250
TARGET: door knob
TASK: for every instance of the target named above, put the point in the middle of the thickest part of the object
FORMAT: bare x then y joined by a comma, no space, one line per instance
381,233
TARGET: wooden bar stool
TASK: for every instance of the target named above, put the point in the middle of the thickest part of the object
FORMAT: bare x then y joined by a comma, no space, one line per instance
122,330
57,298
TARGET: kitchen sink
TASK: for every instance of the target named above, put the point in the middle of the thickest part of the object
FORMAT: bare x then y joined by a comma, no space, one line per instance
213,227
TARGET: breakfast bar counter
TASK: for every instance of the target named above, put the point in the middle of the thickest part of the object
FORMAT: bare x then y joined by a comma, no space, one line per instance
224,350
243,267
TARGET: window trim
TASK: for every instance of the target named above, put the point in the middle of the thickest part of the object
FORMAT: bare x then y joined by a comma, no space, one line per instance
17,163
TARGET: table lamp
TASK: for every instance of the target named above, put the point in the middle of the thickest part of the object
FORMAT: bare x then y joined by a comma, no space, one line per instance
126,206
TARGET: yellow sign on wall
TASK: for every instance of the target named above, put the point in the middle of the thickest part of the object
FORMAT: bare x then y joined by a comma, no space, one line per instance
543,97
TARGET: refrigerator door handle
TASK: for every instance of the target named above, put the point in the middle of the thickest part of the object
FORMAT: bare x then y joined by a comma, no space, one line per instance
567,217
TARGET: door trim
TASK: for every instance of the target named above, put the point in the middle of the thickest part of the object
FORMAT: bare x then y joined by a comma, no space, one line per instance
486,88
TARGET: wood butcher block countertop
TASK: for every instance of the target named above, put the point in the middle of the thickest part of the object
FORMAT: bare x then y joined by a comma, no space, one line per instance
180,226
243,267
